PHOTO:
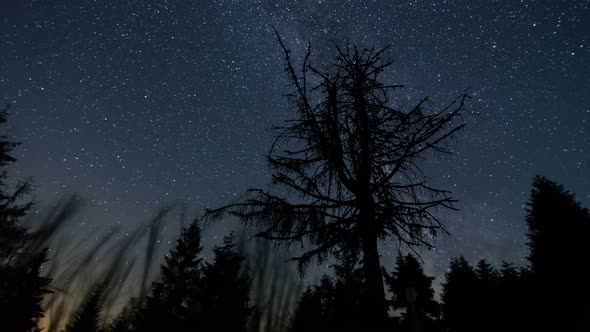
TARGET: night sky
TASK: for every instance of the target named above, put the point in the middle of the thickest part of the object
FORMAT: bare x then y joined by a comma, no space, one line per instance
135,104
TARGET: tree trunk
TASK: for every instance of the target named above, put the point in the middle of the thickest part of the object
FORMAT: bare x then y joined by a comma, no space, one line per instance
374,309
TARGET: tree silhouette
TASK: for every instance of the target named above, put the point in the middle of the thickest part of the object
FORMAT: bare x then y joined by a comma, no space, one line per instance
345,170
87,318
171,305
513,300
412,290
225,293
459,297
21,292
558,227
21,285
309,314
487,300
125,320
348,289
13,236
333,305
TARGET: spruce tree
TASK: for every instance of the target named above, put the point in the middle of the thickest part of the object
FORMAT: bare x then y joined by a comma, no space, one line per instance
459,296
487,301
560,265
21,285
13,235
87,318
170,306
348,288
225,293
309,314
412,290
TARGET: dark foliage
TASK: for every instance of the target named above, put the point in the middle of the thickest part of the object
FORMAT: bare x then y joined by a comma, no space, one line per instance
314,308
459,296
412,290
560,264
21,292
13,236
125,319
172,305
334,304
87,318
225,291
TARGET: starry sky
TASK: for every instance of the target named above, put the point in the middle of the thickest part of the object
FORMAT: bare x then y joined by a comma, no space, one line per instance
134,104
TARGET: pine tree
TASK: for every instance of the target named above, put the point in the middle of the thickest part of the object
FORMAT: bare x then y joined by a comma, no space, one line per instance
13,236
459,296
21,292
513,313
487,301
309,315
560,265
170,306
87,318
124,321
225,295
412,290
348,288
21,285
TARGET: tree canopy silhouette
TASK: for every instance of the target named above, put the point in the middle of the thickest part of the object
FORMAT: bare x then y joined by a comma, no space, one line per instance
334,304
172,305
87,318
412,290
345,169
225,290
13,235
21,285
459,296
560,264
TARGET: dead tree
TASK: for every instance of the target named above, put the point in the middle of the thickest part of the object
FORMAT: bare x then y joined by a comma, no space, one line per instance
345,170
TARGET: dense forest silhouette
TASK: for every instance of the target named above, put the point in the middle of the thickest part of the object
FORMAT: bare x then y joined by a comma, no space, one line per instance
345,175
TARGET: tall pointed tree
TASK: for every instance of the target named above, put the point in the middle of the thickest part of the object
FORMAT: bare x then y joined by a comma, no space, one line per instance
348,289
225,294
458,297
309,314
488,302
345,169
21,285
170,306
87,318
558,230
412,290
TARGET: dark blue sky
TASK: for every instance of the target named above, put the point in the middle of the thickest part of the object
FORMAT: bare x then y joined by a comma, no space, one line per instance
134,104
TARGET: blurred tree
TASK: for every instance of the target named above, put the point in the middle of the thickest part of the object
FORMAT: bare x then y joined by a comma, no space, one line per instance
124,321
350,161
309,315
87,318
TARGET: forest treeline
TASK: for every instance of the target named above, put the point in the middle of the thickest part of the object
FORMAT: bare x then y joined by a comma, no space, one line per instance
345,175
